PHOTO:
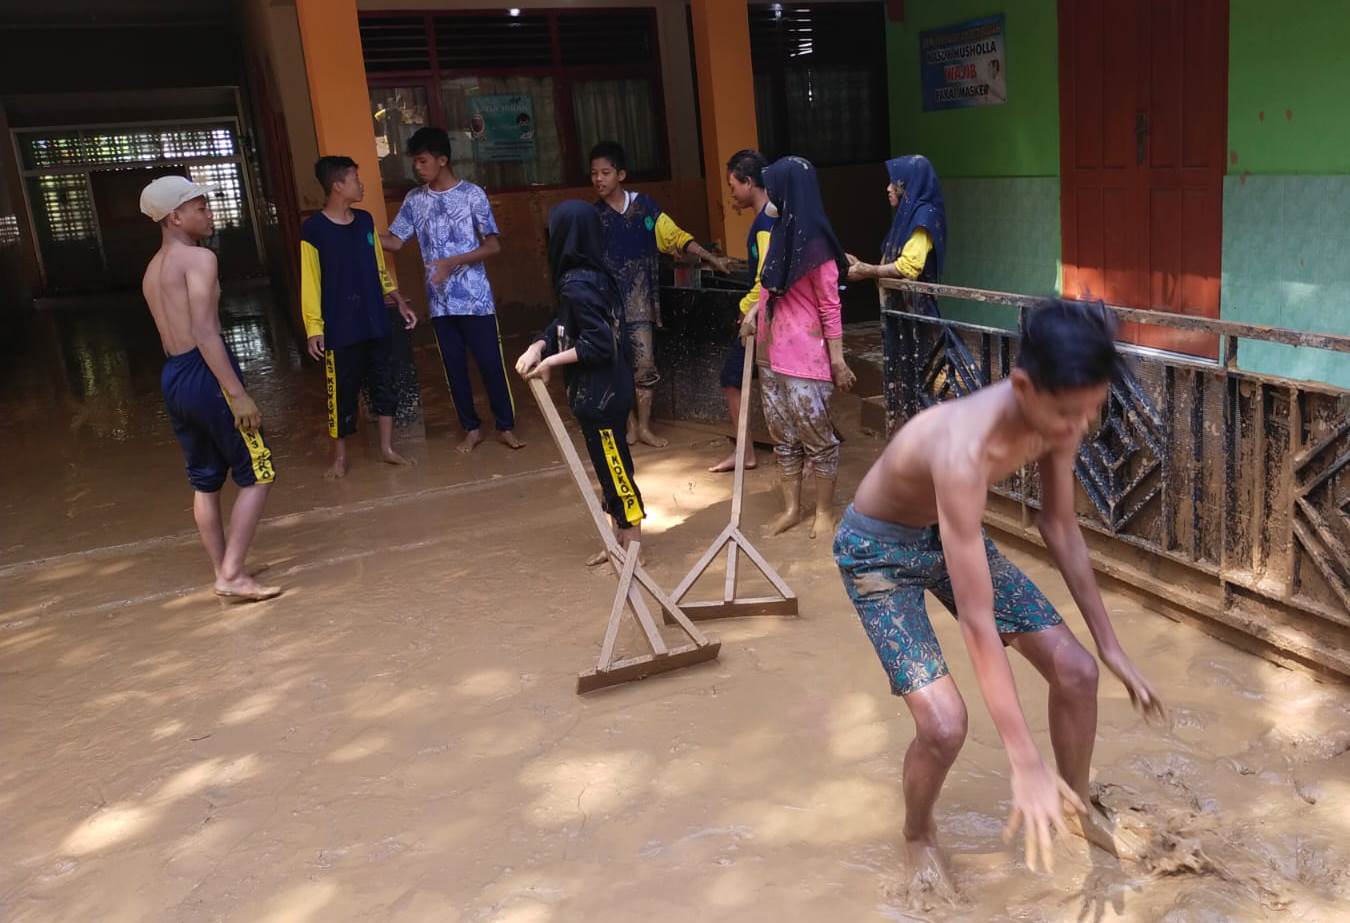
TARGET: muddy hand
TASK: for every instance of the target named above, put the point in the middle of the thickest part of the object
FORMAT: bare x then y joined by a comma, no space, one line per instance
405,310
527,361
247,416
540,371
1038,799
844,379
1142,696
748,323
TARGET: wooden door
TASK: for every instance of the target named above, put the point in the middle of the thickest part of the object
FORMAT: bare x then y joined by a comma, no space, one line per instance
1143,110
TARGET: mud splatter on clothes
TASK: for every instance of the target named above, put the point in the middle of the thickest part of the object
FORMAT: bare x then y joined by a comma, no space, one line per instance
797,412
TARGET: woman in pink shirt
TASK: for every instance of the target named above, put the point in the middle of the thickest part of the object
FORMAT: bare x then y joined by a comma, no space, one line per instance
801,350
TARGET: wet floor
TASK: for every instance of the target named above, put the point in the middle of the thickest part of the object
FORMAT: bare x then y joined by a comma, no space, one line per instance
398,737
80,396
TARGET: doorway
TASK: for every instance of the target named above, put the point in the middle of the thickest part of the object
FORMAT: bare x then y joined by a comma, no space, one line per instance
1143,115
83,184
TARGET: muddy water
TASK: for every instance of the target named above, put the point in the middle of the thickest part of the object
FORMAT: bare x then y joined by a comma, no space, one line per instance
397,738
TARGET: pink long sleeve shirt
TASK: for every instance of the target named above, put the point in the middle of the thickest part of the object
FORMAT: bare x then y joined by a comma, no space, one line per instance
803,319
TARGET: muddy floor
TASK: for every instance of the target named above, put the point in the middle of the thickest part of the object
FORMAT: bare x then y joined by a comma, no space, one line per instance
398,737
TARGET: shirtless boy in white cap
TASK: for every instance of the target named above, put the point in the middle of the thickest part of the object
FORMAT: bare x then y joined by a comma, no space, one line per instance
217,424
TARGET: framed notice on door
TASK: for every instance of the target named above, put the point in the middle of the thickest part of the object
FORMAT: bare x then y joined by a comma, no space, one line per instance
964,65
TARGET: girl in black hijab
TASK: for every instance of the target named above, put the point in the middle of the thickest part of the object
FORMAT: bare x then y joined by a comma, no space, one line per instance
585,339
801,354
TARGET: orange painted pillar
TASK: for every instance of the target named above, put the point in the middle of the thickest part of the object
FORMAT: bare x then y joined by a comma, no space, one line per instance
726,101
331,39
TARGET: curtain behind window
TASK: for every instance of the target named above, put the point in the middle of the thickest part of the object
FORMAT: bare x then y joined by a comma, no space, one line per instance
830,113
622,111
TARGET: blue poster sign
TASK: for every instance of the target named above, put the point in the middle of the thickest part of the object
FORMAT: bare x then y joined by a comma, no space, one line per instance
502,128
964,65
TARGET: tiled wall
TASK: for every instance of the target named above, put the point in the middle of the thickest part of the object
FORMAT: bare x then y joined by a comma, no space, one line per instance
1002,234
1286,262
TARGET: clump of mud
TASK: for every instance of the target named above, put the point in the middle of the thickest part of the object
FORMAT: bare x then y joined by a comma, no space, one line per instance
1187,834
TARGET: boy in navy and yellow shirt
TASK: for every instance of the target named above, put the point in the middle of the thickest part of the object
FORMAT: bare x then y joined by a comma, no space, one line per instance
635,231
745,180
343,286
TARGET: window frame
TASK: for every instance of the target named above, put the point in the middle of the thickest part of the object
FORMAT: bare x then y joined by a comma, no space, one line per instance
575,171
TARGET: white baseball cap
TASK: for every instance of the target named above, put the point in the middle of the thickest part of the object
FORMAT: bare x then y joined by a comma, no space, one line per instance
168,192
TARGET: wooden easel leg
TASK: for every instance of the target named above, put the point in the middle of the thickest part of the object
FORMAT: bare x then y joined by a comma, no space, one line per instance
632,579
616,613
734,540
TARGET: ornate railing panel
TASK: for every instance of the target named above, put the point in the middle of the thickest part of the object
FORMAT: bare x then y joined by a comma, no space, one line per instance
1217,490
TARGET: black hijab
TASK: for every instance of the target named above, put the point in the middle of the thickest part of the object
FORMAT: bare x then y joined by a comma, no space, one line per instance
920,206
574,242
802,237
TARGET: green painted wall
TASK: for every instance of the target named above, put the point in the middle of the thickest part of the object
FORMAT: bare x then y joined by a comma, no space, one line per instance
1286,224
999,164
1288,111
1286,207
1018,138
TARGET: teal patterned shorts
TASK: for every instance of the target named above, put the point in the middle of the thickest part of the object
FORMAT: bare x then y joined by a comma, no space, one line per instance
886,568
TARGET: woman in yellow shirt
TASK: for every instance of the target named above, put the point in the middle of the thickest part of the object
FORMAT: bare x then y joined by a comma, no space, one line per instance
917,242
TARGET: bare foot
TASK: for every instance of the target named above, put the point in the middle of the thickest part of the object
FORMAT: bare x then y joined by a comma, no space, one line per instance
783,522
245,589
602,557
822,524
729,464
390,457
337,470
509,439
651,439
1101,831
930,877
471,440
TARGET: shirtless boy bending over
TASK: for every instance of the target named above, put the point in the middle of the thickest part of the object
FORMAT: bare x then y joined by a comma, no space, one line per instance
915,525
217,424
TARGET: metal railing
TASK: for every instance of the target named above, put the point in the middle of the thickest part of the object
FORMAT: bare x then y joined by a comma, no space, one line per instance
1216,490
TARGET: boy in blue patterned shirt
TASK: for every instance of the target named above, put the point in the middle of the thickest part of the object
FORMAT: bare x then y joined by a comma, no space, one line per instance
456,231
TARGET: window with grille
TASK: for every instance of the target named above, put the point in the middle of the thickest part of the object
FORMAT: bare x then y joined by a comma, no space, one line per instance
820,80
64,208
523,97
102,147
227,205
63,168
9,230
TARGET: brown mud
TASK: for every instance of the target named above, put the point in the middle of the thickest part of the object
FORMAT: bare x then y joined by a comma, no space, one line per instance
397,738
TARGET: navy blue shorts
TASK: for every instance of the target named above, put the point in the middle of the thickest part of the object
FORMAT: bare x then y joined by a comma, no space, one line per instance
204,425
734,364
346,369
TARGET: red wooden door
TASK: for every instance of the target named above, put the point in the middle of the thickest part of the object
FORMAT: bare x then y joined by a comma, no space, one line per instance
1143,109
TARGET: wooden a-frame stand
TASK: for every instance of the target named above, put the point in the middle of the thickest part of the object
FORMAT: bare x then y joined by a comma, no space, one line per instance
632,579
732,538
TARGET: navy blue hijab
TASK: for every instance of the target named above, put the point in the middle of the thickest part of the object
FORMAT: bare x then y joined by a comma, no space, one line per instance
802,238
920,207
575,242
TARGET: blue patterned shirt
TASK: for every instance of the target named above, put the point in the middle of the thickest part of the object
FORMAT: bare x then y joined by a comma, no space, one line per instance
447,224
